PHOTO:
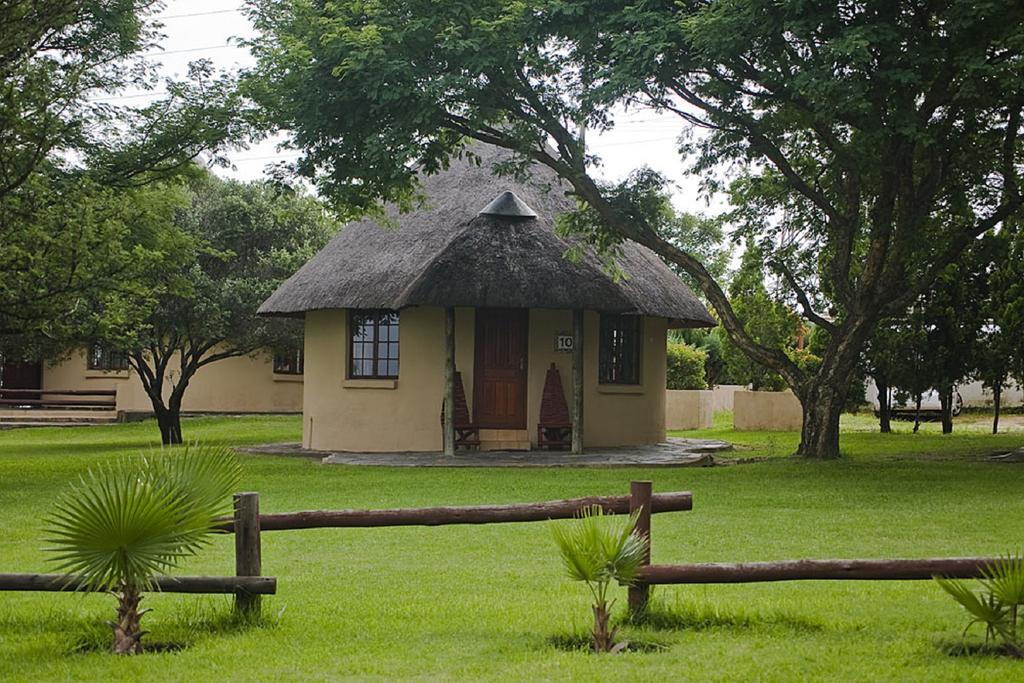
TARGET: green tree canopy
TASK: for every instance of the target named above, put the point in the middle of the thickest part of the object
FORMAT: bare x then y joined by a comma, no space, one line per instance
868,144
72,148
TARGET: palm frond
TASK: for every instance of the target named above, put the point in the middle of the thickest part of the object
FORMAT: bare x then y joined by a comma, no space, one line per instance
984,610
127,522
1004,578
598,548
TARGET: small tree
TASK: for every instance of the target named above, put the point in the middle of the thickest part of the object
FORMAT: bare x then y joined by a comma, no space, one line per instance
598,549
248,237
126,523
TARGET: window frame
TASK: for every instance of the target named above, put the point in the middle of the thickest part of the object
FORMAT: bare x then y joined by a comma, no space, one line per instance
375,359
101,358
612,365
296,355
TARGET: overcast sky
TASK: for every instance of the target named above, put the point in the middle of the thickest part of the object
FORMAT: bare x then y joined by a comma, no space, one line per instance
207,29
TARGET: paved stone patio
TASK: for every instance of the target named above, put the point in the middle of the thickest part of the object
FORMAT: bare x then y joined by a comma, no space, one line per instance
675,452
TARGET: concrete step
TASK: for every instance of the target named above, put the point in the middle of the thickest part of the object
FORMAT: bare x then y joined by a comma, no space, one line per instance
504,440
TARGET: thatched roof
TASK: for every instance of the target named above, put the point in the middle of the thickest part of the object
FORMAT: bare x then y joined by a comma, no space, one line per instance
449,254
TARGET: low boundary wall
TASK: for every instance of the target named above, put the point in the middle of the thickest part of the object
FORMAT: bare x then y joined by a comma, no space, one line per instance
770,411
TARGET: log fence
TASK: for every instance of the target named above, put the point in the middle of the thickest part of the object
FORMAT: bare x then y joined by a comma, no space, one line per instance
248,525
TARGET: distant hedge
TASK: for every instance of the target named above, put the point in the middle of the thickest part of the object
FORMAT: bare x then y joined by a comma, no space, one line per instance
686,367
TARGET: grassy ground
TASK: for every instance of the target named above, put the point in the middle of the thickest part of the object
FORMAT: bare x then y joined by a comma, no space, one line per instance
490,603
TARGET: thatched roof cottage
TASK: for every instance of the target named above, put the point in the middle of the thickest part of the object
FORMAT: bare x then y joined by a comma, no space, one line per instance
477,283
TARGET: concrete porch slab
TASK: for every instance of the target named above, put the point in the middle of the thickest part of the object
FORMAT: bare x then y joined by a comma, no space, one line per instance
675,452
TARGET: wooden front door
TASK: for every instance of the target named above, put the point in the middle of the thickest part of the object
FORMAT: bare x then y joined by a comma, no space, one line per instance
499,377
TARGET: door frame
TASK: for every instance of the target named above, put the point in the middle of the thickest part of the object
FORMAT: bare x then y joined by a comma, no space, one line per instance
523,378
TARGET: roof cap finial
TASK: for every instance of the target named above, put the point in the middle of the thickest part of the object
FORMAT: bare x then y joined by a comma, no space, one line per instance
508,205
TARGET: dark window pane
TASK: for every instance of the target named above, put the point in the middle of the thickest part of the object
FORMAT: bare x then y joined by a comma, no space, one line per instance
619,349
289,362
374,344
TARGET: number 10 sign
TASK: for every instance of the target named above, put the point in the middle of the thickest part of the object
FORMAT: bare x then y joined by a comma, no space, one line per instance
564,342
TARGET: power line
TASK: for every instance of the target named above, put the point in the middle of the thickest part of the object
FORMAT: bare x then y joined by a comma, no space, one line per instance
110,98
192,49
199,14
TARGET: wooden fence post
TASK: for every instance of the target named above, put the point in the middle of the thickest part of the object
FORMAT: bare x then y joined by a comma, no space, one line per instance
248,555
640,499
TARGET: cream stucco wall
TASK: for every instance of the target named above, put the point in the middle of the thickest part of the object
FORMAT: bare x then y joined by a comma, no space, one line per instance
722,395
404,414
689,409
233,385
766,410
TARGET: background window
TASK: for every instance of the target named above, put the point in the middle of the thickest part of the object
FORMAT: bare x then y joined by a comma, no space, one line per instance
619,350
374,344
103,358
289,362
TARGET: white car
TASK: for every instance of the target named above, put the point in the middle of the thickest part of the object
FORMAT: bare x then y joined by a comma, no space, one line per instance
931,404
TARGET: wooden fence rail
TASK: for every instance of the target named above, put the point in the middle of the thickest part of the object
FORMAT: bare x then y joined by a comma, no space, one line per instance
472,514
821,570
247,524
253,585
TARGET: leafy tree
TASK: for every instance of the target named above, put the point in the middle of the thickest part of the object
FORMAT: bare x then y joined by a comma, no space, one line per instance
953,311
597,549
871,142
68,147
889,350
81,257
248,238
128,522
686,367
765,319
1001,353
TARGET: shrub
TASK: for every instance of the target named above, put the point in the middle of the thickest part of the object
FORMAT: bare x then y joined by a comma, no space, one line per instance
686,367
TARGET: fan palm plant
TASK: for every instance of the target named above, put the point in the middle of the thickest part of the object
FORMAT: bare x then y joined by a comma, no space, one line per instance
599,549
997,605
124,524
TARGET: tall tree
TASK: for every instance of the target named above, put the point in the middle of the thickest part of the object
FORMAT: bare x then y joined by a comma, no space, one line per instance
68,141
247,238
953,313
1000,357
881,136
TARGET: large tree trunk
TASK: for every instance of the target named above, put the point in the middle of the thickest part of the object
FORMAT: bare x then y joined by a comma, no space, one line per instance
997,395
917,414
884,404
823,396
169,422
946,402
822,405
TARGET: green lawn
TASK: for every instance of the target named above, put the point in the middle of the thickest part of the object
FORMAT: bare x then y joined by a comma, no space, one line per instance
488,602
